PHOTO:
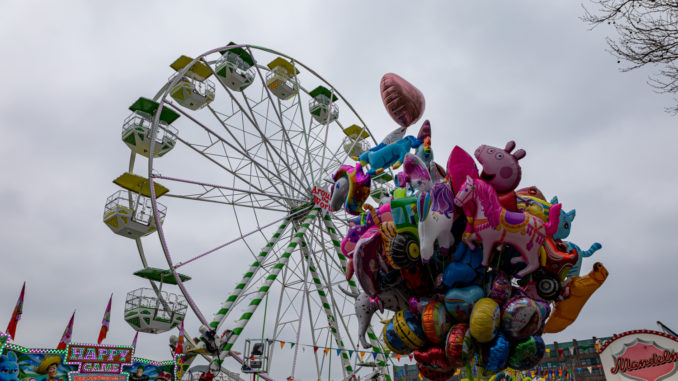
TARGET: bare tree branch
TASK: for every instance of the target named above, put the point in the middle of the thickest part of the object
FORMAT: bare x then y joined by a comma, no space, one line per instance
647,33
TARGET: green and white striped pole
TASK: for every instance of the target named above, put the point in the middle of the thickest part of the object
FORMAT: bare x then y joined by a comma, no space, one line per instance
331,319
275,270
221,315
374,340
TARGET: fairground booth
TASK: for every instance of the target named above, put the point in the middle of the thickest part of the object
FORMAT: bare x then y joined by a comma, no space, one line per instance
80,362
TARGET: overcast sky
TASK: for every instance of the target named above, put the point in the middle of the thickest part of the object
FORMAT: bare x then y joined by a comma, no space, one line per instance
490,72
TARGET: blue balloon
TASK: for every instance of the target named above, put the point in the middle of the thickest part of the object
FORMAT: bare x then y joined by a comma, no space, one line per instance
459,302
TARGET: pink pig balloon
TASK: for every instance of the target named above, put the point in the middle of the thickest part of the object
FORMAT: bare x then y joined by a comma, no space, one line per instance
404,102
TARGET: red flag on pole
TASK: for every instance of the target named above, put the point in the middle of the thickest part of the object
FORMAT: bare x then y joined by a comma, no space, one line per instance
16,315
68,332
180,343
105,322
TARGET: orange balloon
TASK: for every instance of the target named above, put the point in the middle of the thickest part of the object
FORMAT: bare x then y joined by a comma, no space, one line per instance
581,289
404,102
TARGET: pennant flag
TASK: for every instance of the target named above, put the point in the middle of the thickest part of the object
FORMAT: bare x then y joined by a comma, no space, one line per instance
282,344
398,357
326,350
597,347
350,353
560,352
315,349
134,342
68,332
410,356
338,351
105,322
291,345
16,315
180,343
362,354
374,355
589,368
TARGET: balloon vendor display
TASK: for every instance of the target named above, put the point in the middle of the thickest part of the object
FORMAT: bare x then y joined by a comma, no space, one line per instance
474,268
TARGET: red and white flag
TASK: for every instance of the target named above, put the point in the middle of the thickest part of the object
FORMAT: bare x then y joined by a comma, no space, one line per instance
16,315
68,332
105,322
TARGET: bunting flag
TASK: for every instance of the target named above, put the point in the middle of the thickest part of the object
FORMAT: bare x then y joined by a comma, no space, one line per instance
548,352
338,351
398,357
180,342
597,347
410,356
315,349
326,350
362,354
374,355
291,345
105,322
68,332
282,344
16,315
350,353
134,341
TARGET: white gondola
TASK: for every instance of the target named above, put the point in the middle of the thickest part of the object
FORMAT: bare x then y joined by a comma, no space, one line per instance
193,94
234,71
132,218
281,79
193,90
145,312
354,148
323,110
136,133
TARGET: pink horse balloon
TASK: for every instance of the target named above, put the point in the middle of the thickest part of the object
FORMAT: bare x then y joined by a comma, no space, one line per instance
404,102
491,224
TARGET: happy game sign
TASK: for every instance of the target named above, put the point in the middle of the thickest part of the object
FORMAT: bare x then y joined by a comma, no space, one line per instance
98,358
98,362
640,355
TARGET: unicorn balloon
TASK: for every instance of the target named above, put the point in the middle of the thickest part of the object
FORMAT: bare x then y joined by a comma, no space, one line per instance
491,224
436,215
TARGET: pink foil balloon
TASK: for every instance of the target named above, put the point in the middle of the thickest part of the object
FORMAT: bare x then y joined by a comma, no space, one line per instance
404,102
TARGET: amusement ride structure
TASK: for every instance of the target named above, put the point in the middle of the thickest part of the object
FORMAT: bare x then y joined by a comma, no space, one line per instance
237,150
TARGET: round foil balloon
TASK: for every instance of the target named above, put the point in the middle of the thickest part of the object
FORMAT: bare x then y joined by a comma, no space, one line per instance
454,347
408,329
404,102
435,321
392,340
526,354
459,301
521,318
485,320
500,288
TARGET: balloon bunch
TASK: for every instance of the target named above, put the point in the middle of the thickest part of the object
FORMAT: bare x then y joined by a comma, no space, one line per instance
475,270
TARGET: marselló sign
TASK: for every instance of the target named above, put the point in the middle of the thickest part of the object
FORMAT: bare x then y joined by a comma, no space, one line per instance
642,355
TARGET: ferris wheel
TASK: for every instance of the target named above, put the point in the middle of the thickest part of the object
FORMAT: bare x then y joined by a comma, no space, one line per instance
238,150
